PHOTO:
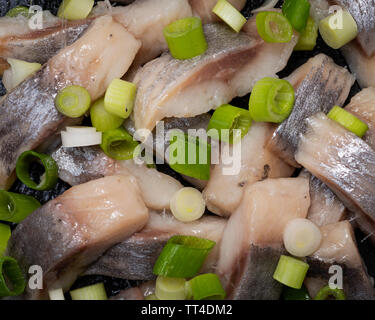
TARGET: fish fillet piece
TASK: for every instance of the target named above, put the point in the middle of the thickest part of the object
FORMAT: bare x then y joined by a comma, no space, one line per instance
135,257
343,161
362,106
319,85
253,238
339,248
70,232
233,62
28,115
129,294
203,8
325,207
223,192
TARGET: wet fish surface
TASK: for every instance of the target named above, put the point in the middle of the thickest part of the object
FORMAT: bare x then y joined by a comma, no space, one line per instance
129,294
253,238
135,257
340,159
319,85
70,232
233,62
28,114
339,248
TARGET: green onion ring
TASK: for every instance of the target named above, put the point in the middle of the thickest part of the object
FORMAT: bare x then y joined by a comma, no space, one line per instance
23,10
118,144
48,180
297,12
326,291
5,234
206,287
274,27
182,257
10,270
73,101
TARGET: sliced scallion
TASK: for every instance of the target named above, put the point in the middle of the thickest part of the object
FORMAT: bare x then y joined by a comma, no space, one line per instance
19,70
118,144
93,292
338,29
271,100
50,176
170,288
228,117
73,101
326,292
182,256
185,38
101,119
307,38
187,204
80,137
297,12
119,98
14,12
291,272
207,287
15,207
4,237
274,27
12,280
75,9
348,121
56,294
190,156
229,14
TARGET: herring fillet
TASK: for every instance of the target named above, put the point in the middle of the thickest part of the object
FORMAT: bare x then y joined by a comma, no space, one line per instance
233,62
135,257
223,192
319,85
68,233
28,115
253,238
343,161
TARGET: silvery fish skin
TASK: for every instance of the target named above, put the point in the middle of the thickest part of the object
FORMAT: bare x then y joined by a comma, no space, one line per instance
362,106
253,238
319,85
343,161
70,232
28,114
338,248
135,257
325,207
233,62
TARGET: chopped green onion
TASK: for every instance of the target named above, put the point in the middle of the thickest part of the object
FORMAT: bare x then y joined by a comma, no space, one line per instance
119,98
301,237
307,38
15,207
56,294
326,292
297,12
291,272
190,156
229,14
50,176
4,237
170,288
348,121
12,280
228,117
73,101
19,70
93,292
338,29
101,119
274,27
17,11
185,38
187,204
295,294
80,137
118,144
182,256
271,100
75,9
207,287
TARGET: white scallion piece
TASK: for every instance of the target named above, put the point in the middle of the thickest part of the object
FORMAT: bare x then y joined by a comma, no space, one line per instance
80,137
302,237
56,294
19,70
187,204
